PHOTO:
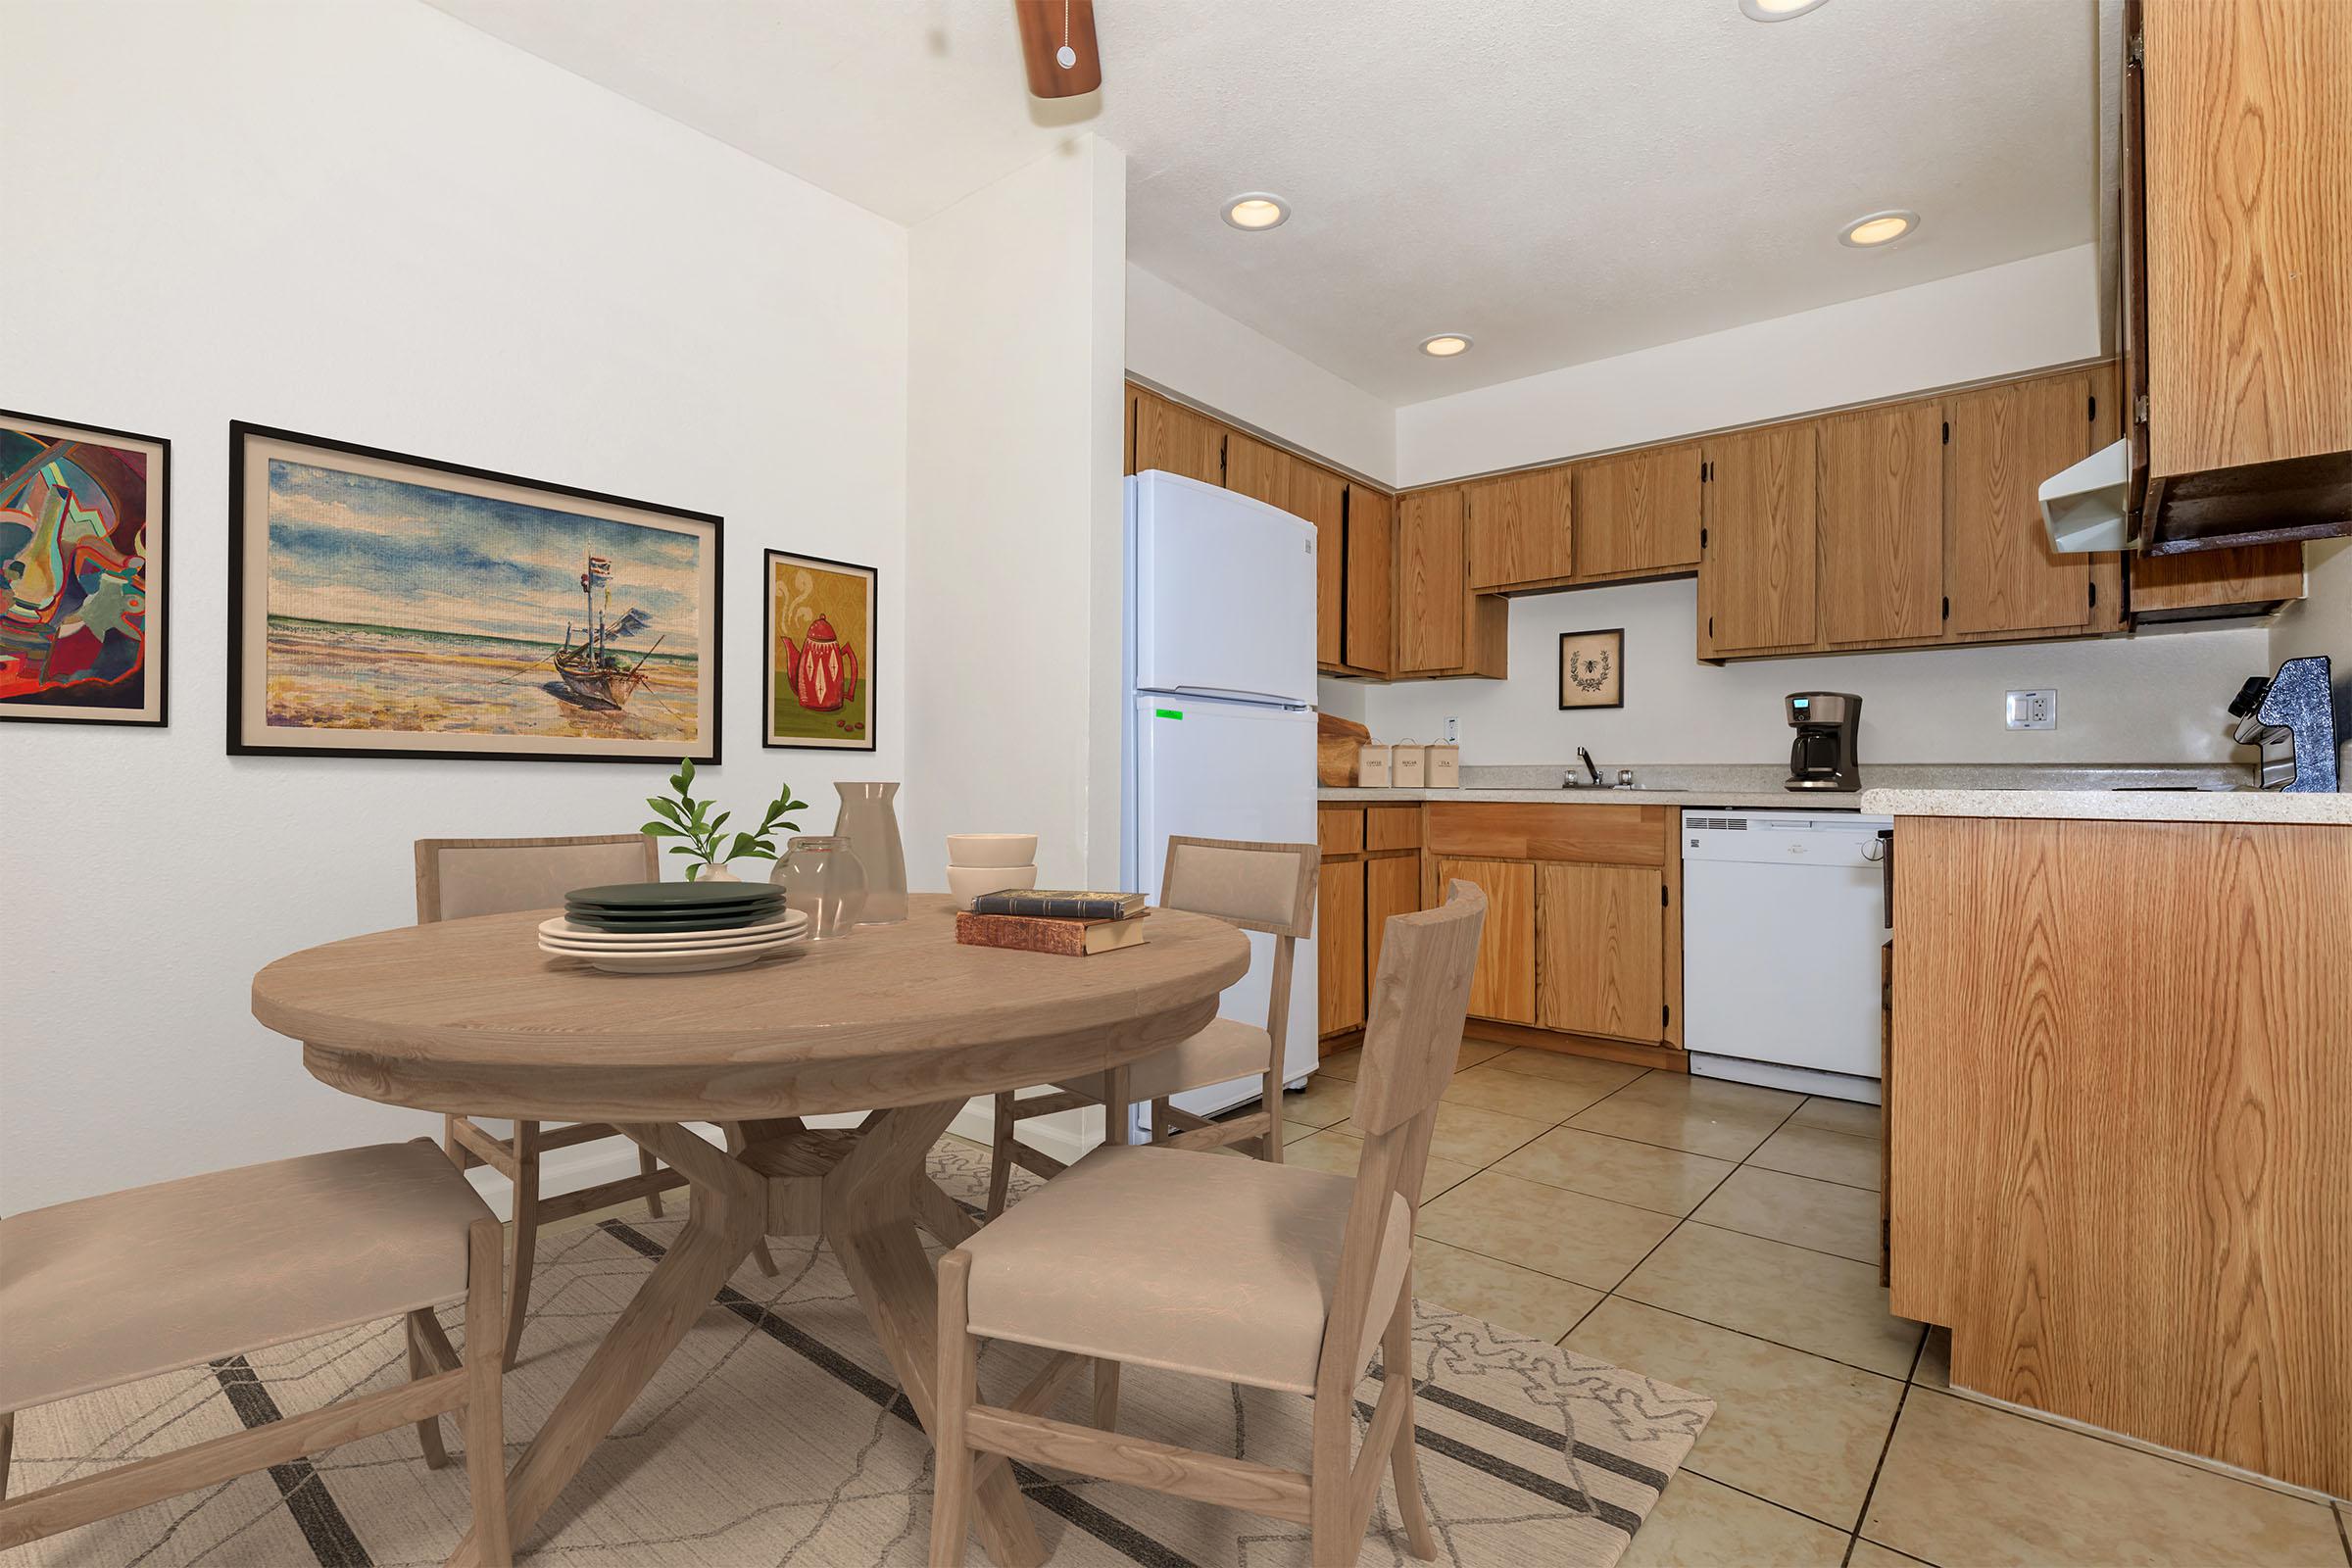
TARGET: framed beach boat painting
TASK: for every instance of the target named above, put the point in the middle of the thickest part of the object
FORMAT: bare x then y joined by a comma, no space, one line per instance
383,605
84,540
820,652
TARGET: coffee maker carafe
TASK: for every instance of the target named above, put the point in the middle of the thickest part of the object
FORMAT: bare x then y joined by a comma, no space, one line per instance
1823,756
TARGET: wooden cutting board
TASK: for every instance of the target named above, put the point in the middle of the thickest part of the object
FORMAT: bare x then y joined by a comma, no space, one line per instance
1337,743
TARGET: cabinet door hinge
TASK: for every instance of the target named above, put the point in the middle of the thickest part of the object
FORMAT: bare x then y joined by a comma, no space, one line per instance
1947,432
2139,410
1947,607
2139,49
1710,626
2094,413
1665,1014
1661,898
1702,538
2094,593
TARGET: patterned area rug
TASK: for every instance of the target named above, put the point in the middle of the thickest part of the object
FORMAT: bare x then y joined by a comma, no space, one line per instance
775,1436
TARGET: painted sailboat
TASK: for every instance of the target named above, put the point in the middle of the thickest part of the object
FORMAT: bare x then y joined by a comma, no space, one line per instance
594,673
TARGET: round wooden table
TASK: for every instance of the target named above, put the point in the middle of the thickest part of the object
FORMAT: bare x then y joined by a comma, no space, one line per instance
898,1021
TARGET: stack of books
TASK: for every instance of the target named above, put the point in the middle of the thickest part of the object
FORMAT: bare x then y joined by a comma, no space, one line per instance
1051,921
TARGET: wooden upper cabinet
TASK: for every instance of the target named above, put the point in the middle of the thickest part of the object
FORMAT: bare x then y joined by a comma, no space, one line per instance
1432,593
1759,580
1882,524
1601,966
2249,577
1637,512
1999,569
1171,437
1518,528
2248,249
1368,635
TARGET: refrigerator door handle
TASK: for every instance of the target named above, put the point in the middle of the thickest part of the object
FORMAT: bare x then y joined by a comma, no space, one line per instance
1238,696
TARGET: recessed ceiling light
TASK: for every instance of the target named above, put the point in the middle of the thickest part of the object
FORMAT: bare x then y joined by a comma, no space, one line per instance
1256,209
1873,229
1445,345
1777,10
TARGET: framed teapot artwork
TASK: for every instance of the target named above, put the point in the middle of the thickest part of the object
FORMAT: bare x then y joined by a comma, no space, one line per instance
820,652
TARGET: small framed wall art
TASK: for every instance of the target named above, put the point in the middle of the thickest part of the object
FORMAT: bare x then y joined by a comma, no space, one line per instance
822,619
85,540
383,605
1593,669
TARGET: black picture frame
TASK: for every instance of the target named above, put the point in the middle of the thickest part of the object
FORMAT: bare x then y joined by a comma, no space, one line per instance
158,629
1615,676
768,650
241,432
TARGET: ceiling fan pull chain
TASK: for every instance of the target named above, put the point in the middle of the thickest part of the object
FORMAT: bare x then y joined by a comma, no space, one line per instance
1065,56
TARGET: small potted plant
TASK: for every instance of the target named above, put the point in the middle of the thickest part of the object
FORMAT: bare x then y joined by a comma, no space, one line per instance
682,817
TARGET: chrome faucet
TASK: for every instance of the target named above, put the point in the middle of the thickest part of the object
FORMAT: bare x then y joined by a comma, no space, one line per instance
1591,770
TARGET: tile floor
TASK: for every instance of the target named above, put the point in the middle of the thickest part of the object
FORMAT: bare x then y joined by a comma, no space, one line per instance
1725,1237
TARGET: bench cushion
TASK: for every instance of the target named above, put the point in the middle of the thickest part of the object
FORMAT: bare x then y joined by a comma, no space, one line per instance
107,1289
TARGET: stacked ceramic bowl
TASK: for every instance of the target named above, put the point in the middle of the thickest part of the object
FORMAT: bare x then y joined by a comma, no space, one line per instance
673,927
990,862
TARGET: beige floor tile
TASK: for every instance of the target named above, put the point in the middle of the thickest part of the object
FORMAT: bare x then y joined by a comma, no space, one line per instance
1516,1093
1964,1482
1325,1102
1935,1369
1644,1175
1583,1072
1832,1306
1822,1154
1338,1154
1700,1115
1699,1524
1469,1136
1870,1554
1792,1428
1567,1235
1824,1215
1849,1116
1475,1053
1342,1063
1502,1292
1293,1131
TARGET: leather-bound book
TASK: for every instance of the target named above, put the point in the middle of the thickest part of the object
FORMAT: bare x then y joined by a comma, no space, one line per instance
1032,934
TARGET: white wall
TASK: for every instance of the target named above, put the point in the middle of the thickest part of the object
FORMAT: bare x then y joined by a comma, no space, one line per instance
2152,698
370,221
1999,322
1014,519
2155,698
1177,342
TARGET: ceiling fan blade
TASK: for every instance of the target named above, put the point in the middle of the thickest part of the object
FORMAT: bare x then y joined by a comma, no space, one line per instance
1047,27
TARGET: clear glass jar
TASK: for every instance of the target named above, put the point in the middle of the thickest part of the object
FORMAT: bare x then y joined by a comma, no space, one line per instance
822,878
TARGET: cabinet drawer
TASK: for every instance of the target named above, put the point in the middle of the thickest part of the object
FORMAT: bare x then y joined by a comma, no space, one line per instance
1391,827
1339,829
1605,835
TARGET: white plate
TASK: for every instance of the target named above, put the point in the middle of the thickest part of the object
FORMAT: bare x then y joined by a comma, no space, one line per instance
570,951
563,930
676,962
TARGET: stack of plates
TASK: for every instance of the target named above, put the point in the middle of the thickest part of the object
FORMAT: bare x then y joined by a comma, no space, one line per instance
673,927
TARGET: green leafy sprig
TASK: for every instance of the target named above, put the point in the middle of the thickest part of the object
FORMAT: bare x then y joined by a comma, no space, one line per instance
682,817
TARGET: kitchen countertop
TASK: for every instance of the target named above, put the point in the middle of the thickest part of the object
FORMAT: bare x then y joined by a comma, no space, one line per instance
1906,788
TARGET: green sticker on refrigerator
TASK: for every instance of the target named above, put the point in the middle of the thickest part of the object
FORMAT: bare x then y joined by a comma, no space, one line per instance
1168,713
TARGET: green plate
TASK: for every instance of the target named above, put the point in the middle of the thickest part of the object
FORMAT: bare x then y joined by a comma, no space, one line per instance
652,896
684,923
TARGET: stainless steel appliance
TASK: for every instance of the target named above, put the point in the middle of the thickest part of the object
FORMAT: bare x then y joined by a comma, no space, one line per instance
1823,756
2291,716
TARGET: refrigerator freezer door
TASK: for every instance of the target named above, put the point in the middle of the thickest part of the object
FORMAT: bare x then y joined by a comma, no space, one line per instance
1221,593
1226,771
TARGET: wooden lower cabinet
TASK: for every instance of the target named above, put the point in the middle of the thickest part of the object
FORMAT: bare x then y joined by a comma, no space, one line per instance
1504,984
1392,887
1601,958
1340,946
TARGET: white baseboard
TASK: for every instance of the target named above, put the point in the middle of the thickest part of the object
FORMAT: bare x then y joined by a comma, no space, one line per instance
1065,1136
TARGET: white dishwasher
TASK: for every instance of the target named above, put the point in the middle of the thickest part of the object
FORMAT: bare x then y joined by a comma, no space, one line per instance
1783,913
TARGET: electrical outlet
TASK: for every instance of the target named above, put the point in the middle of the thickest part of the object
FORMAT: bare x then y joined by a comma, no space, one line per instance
1453,729
2034,710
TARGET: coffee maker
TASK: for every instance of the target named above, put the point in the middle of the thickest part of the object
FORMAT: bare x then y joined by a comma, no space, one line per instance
1823,756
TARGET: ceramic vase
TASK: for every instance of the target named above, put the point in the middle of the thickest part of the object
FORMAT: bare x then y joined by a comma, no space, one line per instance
870,822
822,878
717,873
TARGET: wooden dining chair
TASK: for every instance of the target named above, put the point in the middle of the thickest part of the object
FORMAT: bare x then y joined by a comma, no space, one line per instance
460,877
131,1285
1239,1270
1257,887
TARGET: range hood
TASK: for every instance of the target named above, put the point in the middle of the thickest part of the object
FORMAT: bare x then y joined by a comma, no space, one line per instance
2087,506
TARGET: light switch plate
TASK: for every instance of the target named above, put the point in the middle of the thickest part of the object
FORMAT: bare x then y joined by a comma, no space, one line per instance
1453,730
2034,710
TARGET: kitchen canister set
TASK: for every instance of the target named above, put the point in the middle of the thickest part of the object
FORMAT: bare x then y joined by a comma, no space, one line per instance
1408,766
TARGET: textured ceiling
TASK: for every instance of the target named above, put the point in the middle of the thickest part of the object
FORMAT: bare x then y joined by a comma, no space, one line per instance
1564,180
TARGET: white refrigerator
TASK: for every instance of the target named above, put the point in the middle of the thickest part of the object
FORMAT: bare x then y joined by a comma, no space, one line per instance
1220,718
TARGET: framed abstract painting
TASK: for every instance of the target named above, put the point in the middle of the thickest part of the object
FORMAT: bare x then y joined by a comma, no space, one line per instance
85,541
820,652
383,605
